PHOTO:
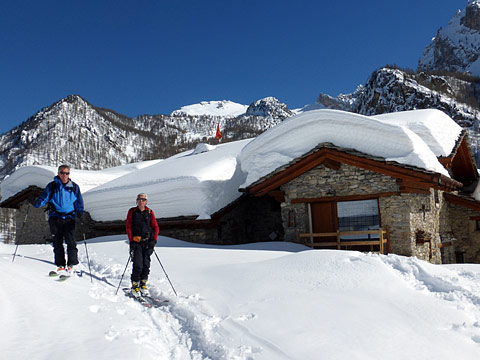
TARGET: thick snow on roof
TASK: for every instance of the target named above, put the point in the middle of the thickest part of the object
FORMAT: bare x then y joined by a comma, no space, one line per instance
195,183
433,126
41,175
299,134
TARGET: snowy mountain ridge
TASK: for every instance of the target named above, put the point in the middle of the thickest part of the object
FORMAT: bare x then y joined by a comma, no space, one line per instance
74,131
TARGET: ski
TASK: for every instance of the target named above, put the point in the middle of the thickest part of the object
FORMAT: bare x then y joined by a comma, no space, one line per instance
140,299
63,277
147,301
156,302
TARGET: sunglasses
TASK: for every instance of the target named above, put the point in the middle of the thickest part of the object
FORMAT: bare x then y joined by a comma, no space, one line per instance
64,173
141,199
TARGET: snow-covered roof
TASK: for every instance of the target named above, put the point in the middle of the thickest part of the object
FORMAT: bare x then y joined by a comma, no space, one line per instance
203,181
433,126
41,175
198,182
388,138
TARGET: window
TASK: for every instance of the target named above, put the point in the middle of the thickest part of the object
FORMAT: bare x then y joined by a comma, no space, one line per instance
477,225
357,216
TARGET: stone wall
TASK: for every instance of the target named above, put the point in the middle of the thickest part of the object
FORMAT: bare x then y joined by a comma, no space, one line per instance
410,217
404,214
465,234
36,229
348,180
253,219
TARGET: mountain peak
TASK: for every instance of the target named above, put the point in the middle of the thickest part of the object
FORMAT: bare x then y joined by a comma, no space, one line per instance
269,106
456,47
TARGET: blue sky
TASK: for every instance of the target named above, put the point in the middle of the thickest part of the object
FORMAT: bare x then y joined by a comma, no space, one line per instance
152,57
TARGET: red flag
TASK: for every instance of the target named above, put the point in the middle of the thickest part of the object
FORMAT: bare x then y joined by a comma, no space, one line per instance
218,135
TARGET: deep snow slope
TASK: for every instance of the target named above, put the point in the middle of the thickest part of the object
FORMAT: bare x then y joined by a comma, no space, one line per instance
257,301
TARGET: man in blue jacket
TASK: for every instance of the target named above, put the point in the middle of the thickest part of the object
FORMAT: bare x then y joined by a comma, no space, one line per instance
65,203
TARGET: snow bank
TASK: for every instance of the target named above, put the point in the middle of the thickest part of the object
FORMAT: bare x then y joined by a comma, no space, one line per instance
300,134
250,302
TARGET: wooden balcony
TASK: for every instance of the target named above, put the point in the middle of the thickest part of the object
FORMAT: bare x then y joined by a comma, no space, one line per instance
314,240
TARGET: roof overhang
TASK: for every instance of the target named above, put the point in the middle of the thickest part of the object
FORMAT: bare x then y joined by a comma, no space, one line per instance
461,162
464,201
14,201
408,177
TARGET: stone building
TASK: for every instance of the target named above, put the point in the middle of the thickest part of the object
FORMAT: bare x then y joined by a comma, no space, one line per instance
342,199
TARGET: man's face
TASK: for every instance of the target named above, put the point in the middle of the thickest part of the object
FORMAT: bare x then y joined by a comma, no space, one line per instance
141,201
63,175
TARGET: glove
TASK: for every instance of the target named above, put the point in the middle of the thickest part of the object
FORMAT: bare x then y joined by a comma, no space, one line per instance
137,239
152,243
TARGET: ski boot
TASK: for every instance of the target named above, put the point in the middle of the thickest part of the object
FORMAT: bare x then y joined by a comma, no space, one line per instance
143,288
135,289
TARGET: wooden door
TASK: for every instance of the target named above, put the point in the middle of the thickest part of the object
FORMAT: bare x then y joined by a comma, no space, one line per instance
324,220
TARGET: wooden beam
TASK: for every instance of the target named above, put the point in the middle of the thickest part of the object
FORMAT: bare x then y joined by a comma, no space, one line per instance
331,164
446,161
344,198
445,244
461,201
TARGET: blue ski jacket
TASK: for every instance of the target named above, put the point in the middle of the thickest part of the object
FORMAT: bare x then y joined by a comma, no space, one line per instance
65,200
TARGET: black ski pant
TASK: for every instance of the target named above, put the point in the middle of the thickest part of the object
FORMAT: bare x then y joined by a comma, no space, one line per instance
140,254
63,229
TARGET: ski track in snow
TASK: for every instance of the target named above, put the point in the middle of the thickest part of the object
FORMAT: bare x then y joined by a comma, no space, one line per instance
178,330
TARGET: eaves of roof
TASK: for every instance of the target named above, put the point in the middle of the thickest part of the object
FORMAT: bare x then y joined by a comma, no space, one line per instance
323,151
13,202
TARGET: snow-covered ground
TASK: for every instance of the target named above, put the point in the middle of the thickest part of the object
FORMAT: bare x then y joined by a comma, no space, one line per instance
259,301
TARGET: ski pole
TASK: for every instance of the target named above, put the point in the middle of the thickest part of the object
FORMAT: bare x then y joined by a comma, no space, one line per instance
21,231
165,272
88,260
128,262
